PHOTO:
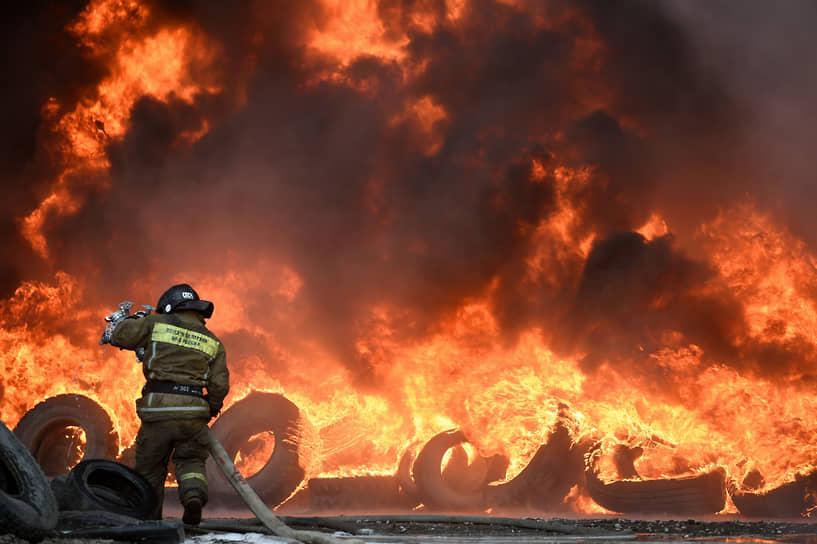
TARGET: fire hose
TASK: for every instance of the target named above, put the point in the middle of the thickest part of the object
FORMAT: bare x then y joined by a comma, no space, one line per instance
257,506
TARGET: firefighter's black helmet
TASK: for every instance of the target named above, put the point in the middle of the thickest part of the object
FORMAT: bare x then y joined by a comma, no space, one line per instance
183,297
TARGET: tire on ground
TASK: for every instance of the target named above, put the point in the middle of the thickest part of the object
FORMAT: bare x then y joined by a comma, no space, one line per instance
543,484
367,493
790,500
27,505
100,484
704,493
433,490
257,413
72,520
42,430
404,479
102,526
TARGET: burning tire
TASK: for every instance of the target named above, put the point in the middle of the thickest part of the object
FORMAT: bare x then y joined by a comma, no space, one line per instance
52,433
692,495
790,500
369,493
436,488
256,414
27,505
543,484
404,479
99,484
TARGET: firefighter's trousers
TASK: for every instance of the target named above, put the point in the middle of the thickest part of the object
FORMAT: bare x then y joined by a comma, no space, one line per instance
186,441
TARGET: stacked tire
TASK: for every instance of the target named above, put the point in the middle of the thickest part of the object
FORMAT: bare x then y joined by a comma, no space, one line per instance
46,431
100,484
28,508
93,484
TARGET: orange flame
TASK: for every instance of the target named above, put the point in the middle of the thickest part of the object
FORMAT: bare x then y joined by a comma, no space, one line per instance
164,65
463,375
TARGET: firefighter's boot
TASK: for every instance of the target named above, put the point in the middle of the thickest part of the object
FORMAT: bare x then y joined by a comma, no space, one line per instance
192,511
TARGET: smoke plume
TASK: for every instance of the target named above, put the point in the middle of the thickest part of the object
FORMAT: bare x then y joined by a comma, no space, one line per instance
374,207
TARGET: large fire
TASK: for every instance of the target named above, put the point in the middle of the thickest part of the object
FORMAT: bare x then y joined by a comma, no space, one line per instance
690,406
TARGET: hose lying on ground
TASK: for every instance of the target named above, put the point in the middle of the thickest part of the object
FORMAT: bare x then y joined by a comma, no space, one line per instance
270,520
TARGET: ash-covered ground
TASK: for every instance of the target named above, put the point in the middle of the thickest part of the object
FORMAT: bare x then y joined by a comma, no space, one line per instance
486,529
595,528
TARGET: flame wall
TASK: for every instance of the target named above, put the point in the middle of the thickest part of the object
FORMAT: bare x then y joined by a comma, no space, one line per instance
413,215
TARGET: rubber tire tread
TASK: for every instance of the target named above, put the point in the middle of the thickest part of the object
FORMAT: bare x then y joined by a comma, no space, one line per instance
789,500
404,479
557,466
694,495
94,484
99,525
366,493
101,439
256,413
28,508
70,520
432,489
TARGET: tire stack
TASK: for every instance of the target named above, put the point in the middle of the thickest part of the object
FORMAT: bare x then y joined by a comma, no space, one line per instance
100,484
28,508
85,483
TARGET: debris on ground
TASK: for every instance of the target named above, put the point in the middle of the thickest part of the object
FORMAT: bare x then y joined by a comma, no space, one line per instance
413,527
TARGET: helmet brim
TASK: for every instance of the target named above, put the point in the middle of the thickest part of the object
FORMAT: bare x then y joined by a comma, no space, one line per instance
204,307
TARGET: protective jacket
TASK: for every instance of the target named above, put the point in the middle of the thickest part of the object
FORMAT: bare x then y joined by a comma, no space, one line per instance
180,350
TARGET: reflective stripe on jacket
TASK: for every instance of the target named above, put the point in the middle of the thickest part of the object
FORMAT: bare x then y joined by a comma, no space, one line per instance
178,348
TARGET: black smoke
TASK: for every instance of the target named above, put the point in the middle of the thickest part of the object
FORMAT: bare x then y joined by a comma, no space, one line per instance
41,61
330,176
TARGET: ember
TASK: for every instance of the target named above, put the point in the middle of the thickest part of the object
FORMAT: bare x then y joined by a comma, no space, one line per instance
459,244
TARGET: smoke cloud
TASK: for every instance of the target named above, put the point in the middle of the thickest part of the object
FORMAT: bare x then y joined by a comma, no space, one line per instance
371,208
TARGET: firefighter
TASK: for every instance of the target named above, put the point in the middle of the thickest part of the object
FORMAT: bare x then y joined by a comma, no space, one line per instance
180,359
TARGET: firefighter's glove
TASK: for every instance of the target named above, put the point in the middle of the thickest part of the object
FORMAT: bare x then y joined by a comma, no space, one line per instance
215,408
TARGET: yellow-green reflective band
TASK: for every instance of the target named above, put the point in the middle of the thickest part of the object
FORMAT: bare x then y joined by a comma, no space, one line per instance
202,409
162,332
189,475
